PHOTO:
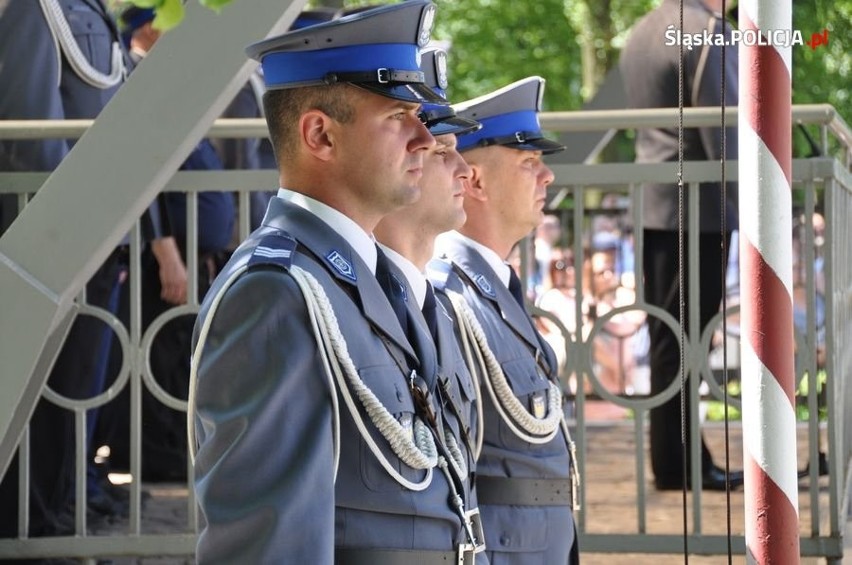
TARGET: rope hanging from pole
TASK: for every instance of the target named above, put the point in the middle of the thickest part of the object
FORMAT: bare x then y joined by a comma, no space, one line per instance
680,286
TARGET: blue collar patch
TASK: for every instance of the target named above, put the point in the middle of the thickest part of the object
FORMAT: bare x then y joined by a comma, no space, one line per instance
339,263
484,285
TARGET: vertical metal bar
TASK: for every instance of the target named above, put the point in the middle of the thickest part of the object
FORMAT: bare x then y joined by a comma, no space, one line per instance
80,500
24,484
810,353
580,398
191,243
244,218
136,367
639,441
694,355
835,223
638,199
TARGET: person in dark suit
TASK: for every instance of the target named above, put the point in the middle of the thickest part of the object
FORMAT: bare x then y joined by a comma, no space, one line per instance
407,238
75,47
650,71
316,430
525,484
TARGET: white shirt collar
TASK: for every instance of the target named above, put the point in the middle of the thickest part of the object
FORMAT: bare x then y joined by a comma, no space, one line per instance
362,242
494,261
416,279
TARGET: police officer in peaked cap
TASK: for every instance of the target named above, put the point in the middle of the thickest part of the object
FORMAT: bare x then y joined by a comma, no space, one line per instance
406,237
525,473
315,428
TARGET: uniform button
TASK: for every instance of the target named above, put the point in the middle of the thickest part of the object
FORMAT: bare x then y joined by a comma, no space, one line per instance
505,540
399,395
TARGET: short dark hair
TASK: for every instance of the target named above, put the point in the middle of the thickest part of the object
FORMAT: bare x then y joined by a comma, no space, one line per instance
284,107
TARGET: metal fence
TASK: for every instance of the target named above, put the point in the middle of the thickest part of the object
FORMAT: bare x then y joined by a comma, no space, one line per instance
822,184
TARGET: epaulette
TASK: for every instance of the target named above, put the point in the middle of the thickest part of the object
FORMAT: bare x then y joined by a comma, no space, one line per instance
274,249
438,272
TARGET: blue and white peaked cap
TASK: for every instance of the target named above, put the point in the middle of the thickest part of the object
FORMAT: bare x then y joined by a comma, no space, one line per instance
377,49
509,117
441,119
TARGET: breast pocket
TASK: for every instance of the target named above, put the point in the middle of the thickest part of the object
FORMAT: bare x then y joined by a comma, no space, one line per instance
388,386
530,387
93,36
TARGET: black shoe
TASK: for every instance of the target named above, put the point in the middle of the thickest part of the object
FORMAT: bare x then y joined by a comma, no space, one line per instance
822,466
714,479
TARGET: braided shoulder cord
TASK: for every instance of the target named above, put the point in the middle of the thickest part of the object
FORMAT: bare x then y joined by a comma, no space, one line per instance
514,414
420,453
64,36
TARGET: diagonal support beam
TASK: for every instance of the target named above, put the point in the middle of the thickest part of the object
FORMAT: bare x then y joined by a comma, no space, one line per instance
112,174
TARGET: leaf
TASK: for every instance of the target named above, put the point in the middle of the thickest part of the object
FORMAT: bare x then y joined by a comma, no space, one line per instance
155,4
215,5
169,14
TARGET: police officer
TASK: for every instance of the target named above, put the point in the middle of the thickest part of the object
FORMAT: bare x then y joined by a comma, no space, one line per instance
314,427
407,238
524,473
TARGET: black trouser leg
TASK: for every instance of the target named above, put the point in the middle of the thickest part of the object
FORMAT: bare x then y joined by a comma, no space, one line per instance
660,262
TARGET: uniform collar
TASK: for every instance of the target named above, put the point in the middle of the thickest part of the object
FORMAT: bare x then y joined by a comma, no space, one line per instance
362,243
416,279
497,264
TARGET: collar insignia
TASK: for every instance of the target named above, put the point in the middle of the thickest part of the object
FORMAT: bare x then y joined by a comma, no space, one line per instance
483,284
341,265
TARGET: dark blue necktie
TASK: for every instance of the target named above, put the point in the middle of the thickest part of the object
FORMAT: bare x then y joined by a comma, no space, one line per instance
515,287
430,311
391,288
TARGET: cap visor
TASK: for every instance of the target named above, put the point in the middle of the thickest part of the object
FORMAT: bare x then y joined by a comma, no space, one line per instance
544,145
455,124
411,92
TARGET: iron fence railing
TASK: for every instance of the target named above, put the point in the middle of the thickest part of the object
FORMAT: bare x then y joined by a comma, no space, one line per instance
823,185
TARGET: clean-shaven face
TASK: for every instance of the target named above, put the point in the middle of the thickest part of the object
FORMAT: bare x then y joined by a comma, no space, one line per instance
383,151
441,204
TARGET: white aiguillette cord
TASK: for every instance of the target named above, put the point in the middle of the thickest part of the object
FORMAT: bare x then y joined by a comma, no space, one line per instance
417,453
63,35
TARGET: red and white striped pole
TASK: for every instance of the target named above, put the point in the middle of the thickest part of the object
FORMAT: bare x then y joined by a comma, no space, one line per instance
768,374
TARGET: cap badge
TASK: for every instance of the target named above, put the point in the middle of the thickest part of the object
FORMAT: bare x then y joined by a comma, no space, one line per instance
426,21
441,69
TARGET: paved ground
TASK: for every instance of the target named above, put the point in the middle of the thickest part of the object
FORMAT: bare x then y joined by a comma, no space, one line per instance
611,501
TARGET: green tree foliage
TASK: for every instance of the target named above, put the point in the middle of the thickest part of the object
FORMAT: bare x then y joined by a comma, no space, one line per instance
574,43
822,74
495,42
601,28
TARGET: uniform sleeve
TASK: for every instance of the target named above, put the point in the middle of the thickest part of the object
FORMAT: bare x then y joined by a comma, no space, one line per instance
264,469
29,74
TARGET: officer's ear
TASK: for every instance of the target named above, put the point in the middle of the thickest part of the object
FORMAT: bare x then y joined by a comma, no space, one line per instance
474,185
316,132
